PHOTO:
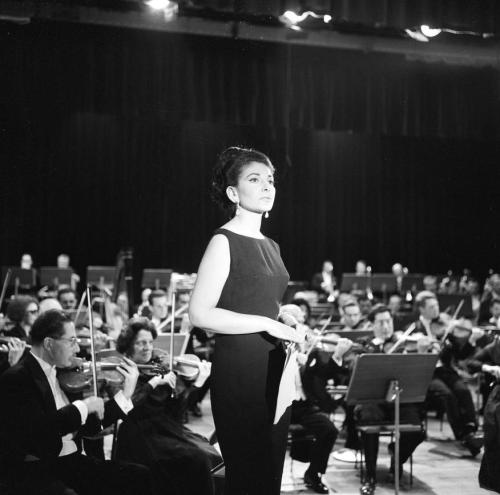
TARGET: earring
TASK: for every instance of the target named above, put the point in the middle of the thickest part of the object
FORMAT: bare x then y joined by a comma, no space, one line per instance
266,214
238,209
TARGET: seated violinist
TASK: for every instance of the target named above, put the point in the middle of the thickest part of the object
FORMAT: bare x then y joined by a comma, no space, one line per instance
40,428
487,360
153,432
351,316
382,342
447,387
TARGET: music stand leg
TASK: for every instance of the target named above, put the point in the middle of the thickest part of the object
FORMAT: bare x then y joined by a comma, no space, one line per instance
397,392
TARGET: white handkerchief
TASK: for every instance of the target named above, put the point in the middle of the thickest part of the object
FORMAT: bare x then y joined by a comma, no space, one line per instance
287,392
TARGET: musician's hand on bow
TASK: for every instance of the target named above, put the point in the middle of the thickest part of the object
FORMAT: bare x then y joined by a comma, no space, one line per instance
424,343
343,346
16,349
95,405
475,335
130,373
205,369
169,379
492,370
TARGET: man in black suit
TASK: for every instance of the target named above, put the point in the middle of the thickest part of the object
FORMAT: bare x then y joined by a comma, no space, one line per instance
40,428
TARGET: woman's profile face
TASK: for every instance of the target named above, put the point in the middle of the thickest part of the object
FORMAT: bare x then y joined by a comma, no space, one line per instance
142,348
255,190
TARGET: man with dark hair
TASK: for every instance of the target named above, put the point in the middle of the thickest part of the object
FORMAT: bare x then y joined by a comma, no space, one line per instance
447,388
40,428
159,306
67,298
383,340
351,316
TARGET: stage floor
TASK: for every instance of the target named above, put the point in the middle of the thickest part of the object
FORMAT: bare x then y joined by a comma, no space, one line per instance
440,465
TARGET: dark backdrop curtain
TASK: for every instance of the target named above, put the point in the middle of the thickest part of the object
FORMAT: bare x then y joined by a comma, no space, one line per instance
108,137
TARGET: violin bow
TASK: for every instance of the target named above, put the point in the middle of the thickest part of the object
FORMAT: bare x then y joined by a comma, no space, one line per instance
401,339
4,287
92,346
80,305
453,318
172,328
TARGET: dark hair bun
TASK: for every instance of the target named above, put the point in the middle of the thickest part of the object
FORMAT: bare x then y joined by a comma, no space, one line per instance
227,171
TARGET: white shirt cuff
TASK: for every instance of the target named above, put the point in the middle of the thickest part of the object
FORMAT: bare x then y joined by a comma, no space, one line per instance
82,407
125,404
337,360
202,378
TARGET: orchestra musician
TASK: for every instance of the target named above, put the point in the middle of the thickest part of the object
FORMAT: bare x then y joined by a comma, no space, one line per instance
327,364
158,303
324,282
67,298
307,413
382,342
351,316
487,360
241,280
153,433
447,386
63,261
361,269
21,312
40,428
494,319
491,292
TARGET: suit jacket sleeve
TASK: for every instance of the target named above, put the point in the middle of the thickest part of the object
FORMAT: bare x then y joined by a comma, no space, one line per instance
29,423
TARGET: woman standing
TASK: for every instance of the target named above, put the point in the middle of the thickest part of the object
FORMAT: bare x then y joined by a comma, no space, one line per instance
240,282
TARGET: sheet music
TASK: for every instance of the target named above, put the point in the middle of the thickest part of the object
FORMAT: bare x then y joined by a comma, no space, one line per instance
287,392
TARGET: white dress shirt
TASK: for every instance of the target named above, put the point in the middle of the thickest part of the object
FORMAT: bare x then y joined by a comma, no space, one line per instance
68,443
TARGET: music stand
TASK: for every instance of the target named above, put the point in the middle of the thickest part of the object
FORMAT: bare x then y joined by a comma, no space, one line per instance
157,278
351,281
413,283
450,302
101,276
398,378
180,342
20,277
54,276
384,283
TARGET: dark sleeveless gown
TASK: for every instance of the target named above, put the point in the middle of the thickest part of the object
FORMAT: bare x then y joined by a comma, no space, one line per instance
246,371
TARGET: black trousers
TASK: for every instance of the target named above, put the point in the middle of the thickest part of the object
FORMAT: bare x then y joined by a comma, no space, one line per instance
375,413
325,433
77,474
454,395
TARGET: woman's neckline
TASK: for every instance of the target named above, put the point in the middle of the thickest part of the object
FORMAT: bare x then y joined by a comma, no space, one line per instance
243,235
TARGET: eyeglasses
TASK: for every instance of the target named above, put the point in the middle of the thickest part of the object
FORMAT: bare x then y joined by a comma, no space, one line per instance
72,340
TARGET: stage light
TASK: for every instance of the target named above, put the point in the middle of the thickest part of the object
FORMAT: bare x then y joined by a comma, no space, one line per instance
158,4
416,35
290,17
428,31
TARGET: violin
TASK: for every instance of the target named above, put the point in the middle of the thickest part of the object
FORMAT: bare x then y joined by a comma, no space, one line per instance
79,377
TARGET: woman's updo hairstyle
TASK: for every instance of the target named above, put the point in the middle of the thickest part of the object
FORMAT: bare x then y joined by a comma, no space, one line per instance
228,169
